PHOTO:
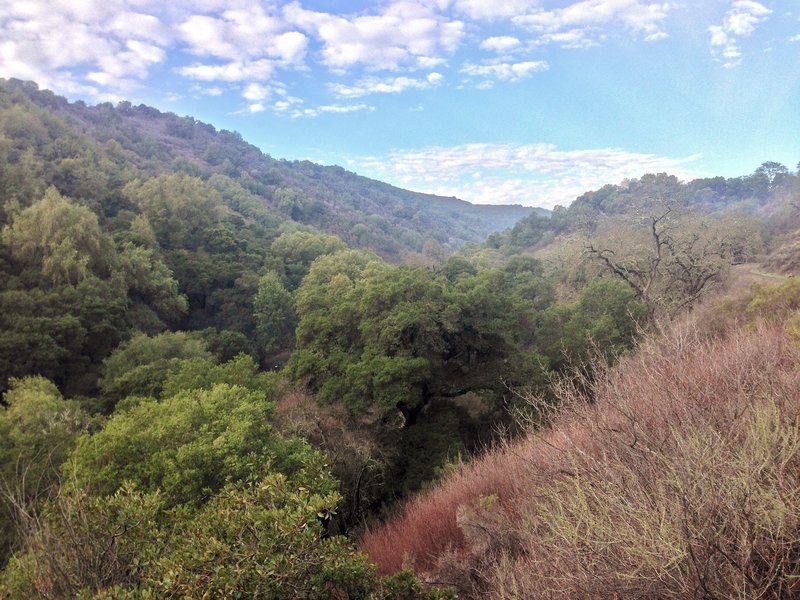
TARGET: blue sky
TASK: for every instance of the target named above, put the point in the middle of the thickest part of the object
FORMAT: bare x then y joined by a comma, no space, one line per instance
521,101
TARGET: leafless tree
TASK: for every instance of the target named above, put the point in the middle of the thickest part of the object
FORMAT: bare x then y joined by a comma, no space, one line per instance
677,262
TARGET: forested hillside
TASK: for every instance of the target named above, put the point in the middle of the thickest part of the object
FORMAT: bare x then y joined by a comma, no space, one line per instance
220,370
86,149
614,204
672,473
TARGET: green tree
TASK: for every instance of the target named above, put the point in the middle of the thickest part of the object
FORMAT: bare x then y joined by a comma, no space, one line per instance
78,545
38,338
181,209
150,282
60,238
375,336
226,344
38,429
273,309
260,539
294,251
604,318
263,540
456,266
61,333
141,365
190,445
204,373
368,332
774,172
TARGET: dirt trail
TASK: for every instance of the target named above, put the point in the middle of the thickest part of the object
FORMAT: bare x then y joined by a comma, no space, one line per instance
749,273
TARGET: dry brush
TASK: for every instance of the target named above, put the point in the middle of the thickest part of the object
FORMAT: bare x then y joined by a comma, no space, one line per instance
674,475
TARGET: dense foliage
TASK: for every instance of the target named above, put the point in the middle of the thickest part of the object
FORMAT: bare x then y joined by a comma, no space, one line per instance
91,152
211,375
674,475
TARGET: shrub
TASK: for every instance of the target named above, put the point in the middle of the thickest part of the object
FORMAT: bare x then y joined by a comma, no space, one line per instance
674,475
80,542
191,445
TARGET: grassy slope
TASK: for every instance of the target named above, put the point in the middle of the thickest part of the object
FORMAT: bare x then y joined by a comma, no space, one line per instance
681,480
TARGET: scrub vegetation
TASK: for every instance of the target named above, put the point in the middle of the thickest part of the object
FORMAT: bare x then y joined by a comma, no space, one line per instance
225,375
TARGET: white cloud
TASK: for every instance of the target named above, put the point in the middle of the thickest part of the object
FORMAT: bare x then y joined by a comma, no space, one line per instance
292,107
532,174
500,43
240,34
286,102
232,71
105,48
256,92
585,18
74,47
430,62
435,79
740,21
290,46
251,42
95,47
330,108
483,9
117,69
390,85
574,38
744,15
140,26
404,34
505,71
795,38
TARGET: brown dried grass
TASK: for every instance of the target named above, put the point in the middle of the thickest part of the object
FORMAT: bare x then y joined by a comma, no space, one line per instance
674,475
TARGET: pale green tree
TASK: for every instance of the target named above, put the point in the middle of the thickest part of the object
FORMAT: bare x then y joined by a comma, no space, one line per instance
61,238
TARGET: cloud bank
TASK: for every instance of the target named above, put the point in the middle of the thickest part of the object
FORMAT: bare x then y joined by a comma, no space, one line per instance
528,174
107,49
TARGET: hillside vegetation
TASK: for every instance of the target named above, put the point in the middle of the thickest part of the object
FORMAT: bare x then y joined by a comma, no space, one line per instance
90,152
219,371
672,475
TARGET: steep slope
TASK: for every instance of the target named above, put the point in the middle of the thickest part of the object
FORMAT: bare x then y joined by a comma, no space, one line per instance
364,212
672,476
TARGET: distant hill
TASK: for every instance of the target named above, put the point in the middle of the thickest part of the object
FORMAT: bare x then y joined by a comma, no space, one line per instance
362,211
631,200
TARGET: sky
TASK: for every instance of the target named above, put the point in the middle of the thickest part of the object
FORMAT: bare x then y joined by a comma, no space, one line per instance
527,102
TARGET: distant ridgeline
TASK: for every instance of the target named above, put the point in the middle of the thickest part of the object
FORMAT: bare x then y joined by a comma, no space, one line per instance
124,142
636,198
